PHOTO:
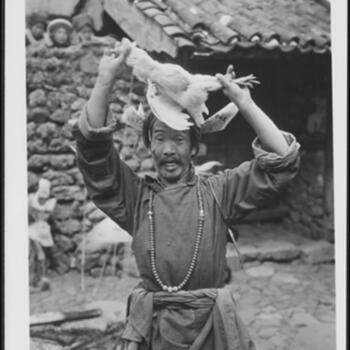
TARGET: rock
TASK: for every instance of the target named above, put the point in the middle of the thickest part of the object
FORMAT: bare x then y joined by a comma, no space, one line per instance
295,216
38,162
60,116
278,251
269,320
64,243
316,210
260,271
281,277
78,104
306,338
68,193
84,92
36,146
89,207
96,216
131,137
53,100
317,252
233,260
76,174
58,178
37,98
302,319
61,261
105,233
47,131
267,332
68,227
38,114
67,99
91,260
33,180
31,130
59,145
305,218
144,154
133,164
89,64
249,252
62,162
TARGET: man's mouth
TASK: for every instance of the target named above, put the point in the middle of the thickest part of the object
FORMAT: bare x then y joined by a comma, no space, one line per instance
170,165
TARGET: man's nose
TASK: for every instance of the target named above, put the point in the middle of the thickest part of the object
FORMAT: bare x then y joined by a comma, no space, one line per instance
169,148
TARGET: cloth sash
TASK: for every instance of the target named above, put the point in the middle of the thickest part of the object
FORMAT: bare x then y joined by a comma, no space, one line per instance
157,312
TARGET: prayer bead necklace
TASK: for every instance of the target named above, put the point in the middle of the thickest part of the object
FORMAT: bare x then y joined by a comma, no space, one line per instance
200,226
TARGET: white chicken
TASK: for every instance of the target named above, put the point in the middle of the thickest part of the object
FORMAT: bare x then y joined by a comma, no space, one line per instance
175,95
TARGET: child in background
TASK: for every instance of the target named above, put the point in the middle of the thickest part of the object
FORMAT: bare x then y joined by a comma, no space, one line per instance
59,32
84,31
35,31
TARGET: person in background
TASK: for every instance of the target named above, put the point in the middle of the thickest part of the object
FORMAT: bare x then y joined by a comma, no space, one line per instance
59,33
84,31
40,207
36,27
83,25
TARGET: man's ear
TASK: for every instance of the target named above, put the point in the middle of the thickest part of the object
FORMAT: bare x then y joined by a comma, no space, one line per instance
194,151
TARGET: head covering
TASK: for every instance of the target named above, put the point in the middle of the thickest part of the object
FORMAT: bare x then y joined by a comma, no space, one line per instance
82,20
58,23
36,18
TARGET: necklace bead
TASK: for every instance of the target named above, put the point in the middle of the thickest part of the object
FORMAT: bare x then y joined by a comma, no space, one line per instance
200,226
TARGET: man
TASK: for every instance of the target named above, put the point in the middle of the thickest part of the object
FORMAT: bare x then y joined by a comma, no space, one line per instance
179,234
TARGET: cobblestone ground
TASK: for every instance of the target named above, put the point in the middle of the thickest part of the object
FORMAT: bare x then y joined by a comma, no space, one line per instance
285,306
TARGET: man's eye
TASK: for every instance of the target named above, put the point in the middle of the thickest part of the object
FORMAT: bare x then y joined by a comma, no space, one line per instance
179,139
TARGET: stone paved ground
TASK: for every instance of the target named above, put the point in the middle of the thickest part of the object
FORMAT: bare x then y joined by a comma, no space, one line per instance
286,306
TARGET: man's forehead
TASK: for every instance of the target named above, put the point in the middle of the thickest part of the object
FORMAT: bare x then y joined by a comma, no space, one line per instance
159,126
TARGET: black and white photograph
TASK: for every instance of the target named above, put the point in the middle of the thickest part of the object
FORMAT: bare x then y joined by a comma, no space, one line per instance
179,176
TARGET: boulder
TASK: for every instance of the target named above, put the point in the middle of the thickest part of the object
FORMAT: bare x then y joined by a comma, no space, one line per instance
96,216
78,104
38,162
68,227
69,193
60,116
38,114
37,146
260,271
47,131
317,252
133,163
104,234
62,162
37,98
58,178
53,101
89,63
59,145
278,251
33,180
64,243
147,165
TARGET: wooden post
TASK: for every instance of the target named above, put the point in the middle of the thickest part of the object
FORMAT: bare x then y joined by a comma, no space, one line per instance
328,164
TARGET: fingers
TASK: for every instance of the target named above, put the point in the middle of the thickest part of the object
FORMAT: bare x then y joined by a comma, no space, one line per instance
223,80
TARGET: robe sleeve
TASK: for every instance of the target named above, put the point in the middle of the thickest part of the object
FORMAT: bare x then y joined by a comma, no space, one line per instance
111,184
256,183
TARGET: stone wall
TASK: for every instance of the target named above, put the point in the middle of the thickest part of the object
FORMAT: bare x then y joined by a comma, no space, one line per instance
59,82
306,199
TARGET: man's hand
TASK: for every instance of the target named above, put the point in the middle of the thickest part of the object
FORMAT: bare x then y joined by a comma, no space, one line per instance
238,95
112,63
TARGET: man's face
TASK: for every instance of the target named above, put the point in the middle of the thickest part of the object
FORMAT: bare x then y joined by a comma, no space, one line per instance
60,36
38,30
171,151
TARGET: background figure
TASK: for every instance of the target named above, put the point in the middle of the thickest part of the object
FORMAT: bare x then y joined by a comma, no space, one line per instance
84,31
59,32
40,207
36,27
83,25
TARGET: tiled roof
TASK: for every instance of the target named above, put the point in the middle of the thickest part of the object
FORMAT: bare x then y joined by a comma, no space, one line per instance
220,26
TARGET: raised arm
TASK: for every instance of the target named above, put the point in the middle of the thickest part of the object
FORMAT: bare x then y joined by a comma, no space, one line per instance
269,135
111,66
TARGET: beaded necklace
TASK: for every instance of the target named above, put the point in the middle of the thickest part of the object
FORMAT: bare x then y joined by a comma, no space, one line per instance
200,226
